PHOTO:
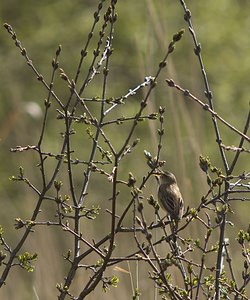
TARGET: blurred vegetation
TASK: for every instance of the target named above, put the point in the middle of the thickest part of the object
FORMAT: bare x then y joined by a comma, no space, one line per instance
143,31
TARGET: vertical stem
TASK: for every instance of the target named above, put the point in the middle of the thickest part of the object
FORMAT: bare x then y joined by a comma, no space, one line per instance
221,247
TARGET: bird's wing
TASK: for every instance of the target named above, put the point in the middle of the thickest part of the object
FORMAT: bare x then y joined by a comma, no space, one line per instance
168,199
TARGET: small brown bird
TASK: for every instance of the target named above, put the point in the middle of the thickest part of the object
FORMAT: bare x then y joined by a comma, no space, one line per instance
169,195
171,201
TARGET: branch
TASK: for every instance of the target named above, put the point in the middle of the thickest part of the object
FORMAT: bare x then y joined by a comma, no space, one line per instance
186,93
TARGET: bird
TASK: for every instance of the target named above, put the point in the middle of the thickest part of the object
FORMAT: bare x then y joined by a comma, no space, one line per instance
169,195
171,201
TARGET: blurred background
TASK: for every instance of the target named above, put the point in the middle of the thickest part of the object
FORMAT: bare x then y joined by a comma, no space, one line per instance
142,33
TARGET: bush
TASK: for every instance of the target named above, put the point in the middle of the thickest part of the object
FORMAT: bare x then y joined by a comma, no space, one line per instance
92,182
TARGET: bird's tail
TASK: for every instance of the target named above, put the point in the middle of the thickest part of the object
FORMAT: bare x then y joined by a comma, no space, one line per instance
175,247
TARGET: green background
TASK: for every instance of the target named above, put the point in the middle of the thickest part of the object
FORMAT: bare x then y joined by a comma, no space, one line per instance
142,33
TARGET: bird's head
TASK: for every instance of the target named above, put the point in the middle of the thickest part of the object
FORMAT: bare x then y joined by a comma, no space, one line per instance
165,177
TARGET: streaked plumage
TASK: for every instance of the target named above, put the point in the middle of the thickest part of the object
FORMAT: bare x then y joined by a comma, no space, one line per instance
169,196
